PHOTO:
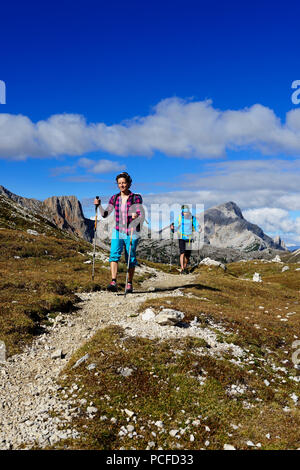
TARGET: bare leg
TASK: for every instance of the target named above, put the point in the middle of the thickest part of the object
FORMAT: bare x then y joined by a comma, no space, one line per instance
130,274
185,262
114,269
182,261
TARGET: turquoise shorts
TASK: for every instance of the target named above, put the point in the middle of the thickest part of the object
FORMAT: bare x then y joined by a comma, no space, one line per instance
118,241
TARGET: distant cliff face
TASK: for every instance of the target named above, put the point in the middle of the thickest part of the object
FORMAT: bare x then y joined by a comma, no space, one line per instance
68,215
64,211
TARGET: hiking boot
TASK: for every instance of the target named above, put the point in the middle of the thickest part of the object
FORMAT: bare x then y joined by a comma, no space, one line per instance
112,287
128,288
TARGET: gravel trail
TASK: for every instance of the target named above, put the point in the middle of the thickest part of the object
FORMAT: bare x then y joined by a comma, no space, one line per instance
31,411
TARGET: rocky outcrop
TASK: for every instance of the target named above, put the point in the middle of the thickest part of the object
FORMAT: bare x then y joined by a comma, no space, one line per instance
63,211
34,205
68,215
280,243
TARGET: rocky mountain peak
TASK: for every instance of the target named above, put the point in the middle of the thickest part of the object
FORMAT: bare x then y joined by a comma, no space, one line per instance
230,209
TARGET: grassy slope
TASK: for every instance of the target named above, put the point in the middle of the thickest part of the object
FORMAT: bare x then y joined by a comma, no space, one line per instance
175,382
178,383
40,274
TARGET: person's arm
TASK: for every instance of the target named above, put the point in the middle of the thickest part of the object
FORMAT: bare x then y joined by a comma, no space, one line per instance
104,212
196,225
175,225
136,211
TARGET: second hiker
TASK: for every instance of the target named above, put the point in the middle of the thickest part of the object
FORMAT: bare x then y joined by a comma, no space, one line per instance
185,226
129,215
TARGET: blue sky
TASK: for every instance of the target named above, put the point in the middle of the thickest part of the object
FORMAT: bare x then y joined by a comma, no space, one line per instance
192,98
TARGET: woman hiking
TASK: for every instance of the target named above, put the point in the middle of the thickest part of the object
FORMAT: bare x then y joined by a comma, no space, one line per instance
185,225
129,215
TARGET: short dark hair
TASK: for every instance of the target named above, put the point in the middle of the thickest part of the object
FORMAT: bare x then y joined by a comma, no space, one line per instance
126,176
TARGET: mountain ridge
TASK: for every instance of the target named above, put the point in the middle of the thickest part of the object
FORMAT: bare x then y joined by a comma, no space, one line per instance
225,227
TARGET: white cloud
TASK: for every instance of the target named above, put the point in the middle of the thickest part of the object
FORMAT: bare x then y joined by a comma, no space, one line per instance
91,166
175,127
275,221
106,166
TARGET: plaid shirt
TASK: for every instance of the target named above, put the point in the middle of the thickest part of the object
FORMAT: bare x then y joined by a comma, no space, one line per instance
115,203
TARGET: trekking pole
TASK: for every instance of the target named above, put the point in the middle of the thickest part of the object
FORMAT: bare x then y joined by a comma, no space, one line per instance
128,262
172,241
198,247
95,236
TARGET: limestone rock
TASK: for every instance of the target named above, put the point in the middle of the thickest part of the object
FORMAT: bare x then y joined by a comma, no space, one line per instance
257,277
67,214
32,232
148,315
2,352
169,316
80,361
56,354
212,262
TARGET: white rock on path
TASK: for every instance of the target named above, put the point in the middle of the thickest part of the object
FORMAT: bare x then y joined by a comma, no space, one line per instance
148,315
56,354
168,316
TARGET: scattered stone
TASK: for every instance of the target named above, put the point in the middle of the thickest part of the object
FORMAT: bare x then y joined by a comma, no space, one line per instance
229,447
56,354
294,397
129,413
276,259
250,444
2,352
125,371
91,409
159,424
212,262
81,360
32,232
173,432
285,268
91,366
257,277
